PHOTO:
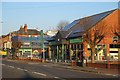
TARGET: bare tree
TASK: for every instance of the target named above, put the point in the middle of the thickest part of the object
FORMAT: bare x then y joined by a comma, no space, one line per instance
116,30
94,36
62,24
16,45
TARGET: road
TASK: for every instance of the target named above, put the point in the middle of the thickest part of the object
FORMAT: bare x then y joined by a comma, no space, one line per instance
20,69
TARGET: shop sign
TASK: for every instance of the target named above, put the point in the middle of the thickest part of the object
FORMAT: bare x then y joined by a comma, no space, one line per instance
52,43
76,40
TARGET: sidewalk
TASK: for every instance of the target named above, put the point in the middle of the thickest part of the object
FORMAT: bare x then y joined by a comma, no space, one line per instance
104,71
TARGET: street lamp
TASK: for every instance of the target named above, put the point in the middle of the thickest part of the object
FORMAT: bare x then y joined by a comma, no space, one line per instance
42,46
42,43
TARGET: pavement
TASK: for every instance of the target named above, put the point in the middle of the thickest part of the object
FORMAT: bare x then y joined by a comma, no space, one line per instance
104,71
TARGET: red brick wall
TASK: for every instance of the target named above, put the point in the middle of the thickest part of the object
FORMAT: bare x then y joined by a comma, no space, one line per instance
106,26
111,22
113,65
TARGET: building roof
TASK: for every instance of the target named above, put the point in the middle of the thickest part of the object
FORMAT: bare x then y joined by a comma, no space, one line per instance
87,22
49,38
75,34
70,25
51,32
64,34
29,31
79,26
3,36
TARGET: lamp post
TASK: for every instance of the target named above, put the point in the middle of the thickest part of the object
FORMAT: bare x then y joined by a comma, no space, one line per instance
31,44
42,44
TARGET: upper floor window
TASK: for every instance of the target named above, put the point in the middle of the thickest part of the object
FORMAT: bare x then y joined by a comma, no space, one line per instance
115,38
114,45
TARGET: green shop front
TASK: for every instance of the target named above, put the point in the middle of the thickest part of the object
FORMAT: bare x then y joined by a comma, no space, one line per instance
58,49
64,48
25,52
76,48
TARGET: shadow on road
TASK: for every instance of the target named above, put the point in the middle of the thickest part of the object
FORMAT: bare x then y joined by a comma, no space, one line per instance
27,75
30,77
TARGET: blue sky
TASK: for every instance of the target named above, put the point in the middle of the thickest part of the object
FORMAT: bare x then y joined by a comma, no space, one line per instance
46,15
59,0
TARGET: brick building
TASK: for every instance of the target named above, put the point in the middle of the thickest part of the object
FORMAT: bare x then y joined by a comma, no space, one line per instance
98,33
22,42
26,42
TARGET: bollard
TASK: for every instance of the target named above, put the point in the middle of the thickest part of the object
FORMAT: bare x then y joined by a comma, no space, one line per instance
43,60
73,63
84,63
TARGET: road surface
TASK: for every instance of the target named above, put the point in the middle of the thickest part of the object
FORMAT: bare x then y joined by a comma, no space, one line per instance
24,70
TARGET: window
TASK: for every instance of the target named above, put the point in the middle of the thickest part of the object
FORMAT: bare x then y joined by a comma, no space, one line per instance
27,51
115,38
113,51
114,45
78,46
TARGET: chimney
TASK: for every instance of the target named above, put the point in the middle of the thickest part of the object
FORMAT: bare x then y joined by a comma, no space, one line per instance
21,27
25,28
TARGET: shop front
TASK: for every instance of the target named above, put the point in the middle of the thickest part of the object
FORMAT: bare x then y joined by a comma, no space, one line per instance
76,49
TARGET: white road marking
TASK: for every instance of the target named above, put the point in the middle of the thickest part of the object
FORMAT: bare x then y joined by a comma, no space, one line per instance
25,70
111,75
56,77
20,69
48,65
39,73
59,78
11,66
115,75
